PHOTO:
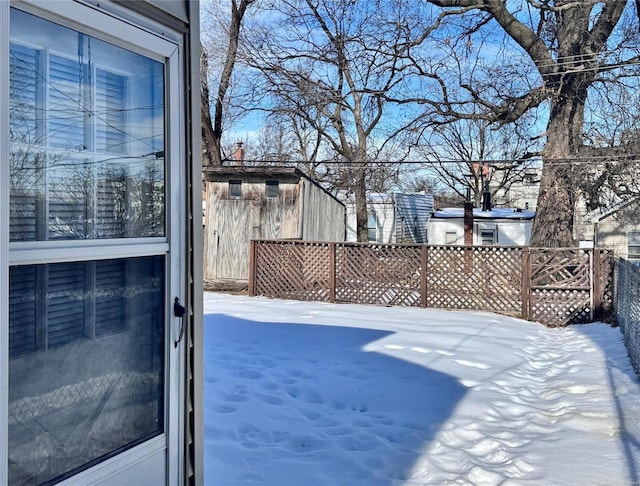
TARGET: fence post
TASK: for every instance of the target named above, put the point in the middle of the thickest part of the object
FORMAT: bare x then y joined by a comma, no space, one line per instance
596,284
526,283
423,275
252,267
332,272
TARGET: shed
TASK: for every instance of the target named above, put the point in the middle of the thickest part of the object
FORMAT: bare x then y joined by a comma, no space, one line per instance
245,203
499,226
100,275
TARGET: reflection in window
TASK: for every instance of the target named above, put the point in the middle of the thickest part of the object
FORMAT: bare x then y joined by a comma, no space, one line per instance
85,365
87,136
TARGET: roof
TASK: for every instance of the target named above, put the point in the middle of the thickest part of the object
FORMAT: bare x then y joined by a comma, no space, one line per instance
478,213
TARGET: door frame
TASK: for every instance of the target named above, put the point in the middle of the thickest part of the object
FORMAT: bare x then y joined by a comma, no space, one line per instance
161,44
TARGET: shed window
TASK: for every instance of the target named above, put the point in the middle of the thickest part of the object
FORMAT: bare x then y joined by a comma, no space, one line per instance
633,244
273,188
235,188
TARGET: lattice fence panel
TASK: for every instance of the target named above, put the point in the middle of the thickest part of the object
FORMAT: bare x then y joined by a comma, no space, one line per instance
561,286
607,283
569,268
482,278
560,307
293,270
378,274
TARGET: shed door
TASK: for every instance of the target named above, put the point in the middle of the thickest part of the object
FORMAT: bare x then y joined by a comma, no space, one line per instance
232,225
95,238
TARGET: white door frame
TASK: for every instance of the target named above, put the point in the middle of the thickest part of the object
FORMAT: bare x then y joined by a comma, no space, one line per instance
165,46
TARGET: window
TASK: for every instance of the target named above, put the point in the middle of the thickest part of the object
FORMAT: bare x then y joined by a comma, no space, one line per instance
86,158
273,188
487,236
372,227
87,324
450,238
235,188
633,244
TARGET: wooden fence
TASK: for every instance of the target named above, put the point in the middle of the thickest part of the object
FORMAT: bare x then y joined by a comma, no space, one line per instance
554,286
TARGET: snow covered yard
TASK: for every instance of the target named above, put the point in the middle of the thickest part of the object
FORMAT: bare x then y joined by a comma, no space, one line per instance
313,394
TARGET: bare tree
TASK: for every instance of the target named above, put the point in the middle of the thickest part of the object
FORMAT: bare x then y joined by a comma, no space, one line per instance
574,47
212,130
329,66
471,155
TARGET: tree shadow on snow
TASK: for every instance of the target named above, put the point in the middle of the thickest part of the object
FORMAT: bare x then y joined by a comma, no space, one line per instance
294,404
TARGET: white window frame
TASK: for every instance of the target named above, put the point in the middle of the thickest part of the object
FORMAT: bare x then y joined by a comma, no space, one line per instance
159,43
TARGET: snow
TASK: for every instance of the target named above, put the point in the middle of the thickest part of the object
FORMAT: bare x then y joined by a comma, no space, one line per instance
478,213
313,394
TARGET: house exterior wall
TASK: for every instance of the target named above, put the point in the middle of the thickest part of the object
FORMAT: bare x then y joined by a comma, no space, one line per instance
383,208
612,231
509,233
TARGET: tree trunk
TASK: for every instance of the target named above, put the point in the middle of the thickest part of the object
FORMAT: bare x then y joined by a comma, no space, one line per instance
553,224
208,138
360,191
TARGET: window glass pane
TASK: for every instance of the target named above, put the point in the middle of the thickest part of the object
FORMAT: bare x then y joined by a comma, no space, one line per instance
87,136
372,227
85,363
273,188
235,188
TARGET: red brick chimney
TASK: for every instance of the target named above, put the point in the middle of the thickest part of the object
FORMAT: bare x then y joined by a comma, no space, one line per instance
238,155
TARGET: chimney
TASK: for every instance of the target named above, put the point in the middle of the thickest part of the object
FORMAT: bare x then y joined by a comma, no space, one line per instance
486,197
468,223
238,155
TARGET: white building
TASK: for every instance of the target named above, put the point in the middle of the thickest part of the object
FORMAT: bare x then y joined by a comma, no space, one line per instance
393,218
500,226
101,243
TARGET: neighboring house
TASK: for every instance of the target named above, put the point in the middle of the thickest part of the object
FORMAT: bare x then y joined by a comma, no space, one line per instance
100,197
500,226
522,194
618,227
245,203
394,218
